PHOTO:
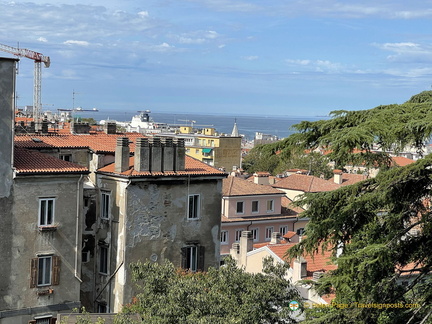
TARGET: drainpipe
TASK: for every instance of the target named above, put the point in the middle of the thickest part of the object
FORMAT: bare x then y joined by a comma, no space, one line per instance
77,227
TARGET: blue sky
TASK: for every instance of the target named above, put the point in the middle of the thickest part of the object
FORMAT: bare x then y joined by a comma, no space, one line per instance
273,57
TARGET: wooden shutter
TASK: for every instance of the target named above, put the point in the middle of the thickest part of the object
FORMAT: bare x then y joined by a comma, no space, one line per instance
184,260
56,270
33,272
53,320
201,253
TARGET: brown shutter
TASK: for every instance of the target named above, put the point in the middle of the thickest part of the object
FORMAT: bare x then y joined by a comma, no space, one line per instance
201,253
53,320
184,257
56,270
33,272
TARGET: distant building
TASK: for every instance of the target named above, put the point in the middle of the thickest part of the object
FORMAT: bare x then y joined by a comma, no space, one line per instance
261,138
256,208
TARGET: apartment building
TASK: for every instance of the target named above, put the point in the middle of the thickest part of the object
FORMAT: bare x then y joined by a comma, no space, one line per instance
78,208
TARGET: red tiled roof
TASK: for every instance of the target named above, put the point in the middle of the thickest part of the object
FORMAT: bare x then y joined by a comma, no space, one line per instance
401,161
235,186
98,142
33,162
286,216
317,262
305,183
192,167
350,178
288,203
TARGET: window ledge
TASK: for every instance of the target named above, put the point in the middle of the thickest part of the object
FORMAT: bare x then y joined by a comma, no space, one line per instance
48,228
44,292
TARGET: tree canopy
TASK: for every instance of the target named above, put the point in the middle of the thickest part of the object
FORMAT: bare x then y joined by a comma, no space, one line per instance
225,295
382,226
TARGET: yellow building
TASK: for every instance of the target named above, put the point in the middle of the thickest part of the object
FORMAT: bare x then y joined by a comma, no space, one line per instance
219,151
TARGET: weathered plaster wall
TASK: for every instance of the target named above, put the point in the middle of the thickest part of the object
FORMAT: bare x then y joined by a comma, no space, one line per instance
155,226
28,241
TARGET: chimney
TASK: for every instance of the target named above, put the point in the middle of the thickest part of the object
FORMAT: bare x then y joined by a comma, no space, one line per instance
142,155
337,176
168,155
122,154
156,155
180,155
235,251
299,269
7,111
261,178
110,127
246,245
275,237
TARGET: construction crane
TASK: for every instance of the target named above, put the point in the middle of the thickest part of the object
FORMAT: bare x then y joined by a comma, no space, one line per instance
38,58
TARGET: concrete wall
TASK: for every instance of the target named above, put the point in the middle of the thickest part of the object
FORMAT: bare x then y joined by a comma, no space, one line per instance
28,242
150,223
7,108
228,154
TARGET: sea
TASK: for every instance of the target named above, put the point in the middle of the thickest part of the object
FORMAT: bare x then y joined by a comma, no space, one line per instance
248,125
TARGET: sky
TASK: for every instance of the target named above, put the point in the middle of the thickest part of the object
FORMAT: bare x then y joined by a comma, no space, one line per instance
243,57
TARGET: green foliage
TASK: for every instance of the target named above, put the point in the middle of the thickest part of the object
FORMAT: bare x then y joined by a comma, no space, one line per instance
225,295
370,222
82,319
89,120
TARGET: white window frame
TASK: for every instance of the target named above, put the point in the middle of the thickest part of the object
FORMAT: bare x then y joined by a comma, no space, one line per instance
283,229
103,259
271,207
255,234
238,233
46,215
194,206
257,206
268,232
105,205
44,270
242,207
224,237
192,258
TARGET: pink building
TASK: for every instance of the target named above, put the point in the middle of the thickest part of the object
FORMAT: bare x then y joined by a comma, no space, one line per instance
248,206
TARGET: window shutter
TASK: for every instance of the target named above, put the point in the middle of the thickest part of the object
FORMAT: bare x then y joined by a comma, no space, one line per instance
33,272
184,258
56,270
201,253
53,320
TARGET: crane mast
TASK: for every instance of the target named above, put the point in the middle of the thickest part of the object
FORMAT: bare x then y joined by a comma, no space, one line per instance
38,59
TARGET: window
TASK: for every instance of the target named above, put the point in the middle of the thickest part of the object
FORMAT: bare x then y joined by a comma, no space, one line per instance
239,207
66,157
193,206
300,231
193,257
46,211
224,237
255,234
45,271
238,235
269,231
103,259
255,206
102,307
270,206
105,205
283,230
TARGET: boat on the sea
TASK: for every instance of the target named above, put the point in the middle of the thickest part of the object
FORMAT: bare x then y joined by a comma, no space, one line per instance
143,123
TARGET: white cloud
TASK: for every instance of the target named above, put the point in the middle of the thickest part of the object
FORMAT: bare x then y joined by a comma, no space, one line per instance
76,42
42,39
322,66
250,58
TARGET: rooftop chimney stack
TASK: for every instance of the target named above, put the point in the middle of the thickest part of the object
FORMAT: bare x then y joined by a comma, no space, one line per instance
122,154
142,155
275,237
246,245
169,155
156,156
110,127
337,176
180,155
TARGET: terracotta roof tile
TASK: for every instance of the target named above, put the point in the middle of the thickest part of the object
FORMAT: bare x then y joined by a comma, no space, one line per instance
234,186
401,161
305,183
33,162
192,167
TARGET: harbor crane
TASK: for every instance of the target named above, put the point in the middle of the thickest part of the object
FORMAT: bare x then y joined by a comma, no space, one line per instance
38,59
